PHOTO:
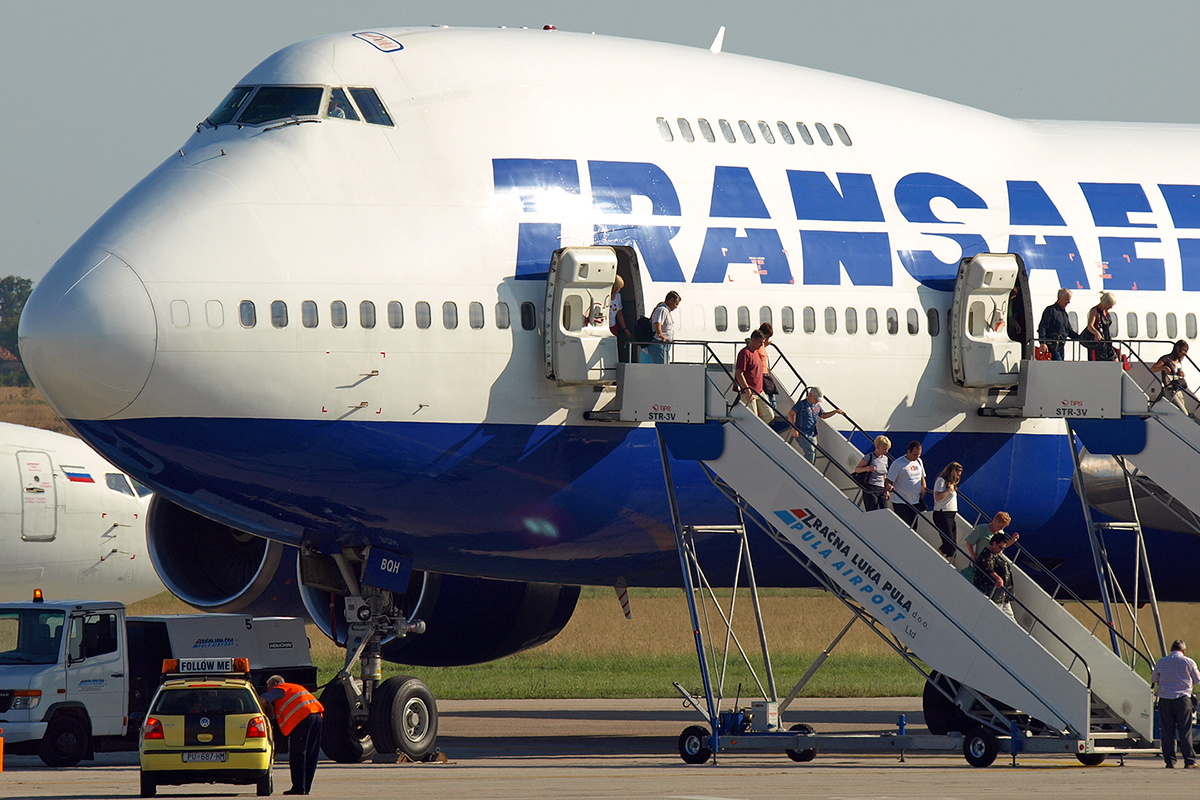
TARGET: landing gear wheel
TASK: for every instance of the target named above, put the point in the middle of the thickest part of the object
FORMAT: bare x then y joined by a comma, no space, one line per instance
265,785
802,755
341,739
941,715
1091,759
149,789
980,747
693,745
404,717
65,744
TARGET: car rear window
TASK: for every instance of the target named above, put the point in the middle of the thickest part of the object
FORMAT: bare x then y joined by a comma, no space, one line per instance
224,700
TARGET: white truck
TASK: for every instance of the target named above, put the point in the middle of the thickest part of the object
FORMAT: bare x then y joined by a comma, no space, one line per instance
76,676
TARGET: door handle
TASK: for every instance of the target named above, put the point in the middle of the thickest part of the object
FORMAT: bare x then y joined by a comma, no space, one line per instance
117,675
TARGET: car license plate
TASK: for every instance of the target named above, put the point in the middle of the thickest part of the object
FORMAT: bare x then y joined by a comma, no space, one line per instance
210,756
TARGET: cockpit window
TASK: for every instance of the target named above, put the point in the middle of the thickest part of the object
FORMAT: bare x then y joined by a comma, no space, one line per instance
282,102
230,105
339,107
371,106
118,483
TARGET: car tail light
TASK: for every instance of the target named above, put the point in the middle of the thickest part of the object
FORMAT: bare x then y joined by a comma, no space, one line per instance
152,729
256,728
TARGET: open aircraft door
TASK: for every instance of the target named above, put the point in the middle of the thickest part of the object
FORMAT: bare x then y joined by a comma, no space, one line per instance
579,347
989,323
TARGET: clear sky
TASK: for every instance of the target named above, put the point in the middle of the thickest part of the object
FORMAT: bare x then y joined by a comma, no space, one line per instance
101,92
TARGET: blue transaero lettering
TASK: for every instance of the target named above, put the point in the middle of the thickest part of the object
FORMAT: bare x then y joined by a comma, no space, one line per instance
743,229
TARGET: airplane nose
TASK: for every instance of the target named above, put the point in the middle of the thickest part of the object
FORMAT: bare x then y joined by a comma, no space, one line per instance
88,335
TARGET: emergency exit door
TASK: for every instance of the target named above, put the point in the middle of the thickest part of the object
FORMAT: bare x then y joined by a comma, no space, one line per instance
39,500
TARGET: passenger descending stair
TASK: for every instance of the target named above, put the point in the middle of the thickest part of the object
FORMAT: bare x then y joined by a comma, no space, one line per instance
1048,666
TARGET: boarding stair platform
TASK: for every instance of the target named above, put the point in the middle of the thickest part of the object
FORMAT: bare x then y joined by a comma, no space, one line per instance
1118,408
1044,680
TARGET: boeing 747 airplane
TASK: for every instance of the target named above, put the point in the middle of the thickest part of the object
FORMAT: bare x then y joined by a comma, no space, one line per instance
355,313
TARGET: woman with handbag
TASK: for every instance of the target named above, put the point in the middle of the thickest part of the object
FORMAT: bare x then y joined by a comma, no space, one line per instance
871,473
1097,336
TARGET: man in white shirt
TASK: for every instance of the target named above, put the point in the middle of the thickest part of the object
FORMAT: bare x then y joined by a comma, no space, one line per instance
1175,674
664,328
906,479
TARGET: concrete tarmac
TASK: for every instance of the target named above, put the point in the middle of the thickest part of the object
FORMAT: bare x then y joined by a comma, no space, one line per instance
533,749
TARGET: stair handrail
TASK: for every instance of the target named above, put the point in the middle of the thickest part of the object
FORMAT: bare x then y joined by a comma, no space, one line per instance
1021,552
712,357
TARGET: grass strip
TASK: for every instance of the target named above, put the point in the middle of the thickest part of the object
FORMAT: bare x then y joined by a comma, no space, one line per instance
558,676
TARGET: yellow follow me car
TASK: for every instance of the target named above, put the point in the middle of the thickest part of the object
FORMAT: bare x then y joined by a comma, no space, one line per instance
205,725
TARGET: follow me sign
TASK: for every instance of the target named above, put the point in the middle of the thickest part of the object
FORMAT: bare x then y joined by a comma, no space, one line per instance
386,570
864,248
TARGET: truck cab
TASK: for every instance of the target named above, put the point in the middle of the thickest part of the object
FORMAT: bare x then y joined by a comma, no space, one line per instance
62,677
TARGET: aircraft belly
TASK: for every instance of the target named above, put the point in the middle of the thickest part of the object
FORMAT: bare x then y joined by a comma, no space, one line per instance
570,504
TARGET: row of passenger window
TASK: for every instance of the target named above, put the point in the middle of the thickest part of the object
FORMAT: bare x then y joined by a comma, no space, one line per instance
764,130
787,320
339,315
1152,330
501,316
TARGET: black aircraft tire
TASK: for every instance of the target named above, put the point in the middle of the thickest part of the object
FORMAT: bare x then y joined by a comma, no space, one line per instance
694,745
805,755
404,717
342,740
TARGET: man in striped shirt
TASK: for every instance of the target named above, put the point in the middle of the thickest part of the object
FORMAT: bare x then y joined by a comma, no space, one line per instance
1175,674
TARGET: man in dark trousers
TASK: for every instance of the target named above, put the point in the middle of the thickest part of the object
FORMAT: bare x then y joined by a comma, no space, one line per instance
1055,327
299,716
1175,674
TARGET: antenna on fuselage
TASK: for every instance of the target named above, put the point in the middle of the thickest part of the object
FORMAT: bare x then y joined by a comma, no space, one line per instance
720,40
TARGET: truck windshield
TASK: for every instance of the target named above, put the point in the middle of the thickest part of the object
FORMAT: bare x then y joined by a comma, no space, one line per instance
30,635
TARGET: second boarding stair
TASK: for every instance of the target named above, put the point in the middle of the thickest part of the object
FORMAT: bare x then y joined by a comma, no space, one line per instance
1118,409
1046,665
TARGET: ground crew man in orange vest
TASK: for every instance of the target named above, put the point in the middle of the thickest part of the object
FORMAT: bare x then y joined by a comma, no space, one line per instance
299,716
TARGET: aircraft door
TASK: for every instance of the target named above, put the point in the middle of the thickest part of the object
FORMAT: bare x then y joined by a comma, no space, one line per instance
982,352
39,500
579,347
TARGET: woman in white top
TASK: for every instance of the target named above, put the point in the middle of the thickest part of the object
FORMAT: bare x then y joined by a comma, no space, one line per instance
616,320
945,507
874,462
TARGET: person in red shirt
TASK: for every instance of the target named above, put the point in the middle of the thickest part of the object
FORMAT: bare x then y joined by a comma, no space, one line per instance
748,375
299,716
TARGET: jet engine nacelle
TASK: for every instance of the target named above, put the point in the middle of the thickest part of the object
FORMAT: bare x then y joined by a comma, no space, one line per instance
213,567
467,620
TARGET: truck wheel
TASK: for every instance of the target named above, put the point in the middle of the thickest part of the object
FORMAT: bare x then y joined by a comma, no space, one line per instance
802,755
694,745
404,717
980,747
65,743
265,786
1091,759
149,789
341,739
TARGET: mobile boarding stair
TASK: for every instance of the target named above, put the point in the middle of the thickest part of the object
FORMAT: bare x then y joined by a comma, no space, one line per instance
1044,684
1118,408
